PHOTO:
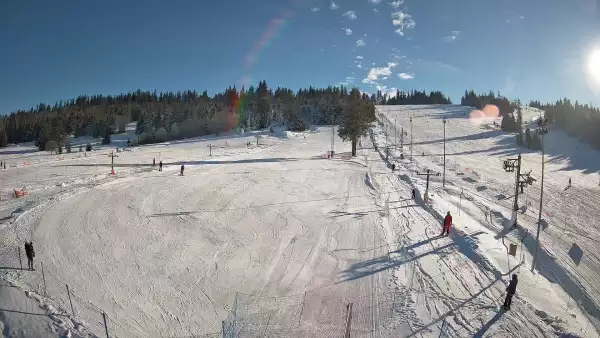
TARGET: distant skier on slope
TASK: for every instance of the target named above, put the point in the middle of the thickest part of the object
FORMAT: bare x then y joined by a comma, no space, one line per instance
569,181
160,166
393,167
182,167
413,193
447,223
510,292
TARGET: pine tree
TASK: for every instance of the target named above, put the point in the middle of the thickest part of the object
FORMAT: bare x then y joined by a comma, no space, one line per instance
106,139
357,118
528,139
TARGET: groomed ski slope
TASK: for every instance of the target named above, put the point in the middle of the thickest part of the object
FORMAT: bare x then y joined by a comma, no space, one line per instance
169,255
475,149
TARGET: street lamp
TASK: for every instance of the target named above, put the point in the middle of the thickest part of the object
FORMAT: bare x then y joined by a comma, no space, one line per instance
542,130
444,174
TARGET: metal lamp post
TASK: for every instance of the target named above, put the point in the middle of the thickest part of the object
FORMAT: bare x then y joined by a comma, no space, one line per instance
444,174
542,131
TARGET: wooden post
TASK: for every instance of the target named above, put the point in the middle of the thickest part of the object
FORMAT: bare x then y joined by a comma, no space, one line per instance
69,294
105,326
44,278
20,261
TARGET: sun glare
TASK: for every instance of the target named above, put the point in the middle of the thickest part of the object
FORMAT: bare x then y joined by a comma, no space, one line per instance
594,65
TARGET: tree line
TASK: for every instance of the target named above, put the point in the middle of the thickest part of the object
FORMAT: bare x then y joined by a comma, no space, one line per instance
176,115
581,121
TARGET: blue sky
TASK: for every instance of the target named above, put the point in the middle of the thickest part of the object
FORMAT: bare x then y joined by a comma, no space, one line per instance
532,49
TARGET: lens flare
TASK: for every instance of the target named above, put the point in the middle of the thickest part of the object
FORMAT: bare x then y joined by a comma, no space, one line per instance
488,114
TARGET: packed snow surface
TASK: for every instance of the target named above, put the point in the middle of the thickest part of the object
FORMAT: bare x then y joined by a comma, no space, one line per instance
282,239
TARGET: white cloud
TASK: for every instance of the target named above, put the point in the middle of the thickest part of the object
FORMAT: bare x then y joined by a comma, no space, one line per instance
360,43
521,17
359,66
315,9
406,76
452,37
375,10
350,15
374,2
321,49
402,21
379,72
348,31
396,4
334,6
359,57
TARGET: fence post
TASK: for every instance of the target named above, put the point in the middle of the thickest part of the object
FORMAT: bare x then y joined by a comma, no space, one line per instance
69,294
105,326
20,261
44,279
348,320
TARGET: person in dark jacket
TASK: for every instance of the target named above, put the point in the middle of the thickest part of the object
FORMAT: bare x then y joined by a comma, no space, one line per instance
160,166
413,193
30,253
182,167
447,223
393,167
510,292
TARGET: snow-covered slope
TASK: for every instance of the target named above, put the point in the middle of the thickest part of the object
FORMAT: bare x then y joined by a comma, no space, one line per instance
272,235
475,150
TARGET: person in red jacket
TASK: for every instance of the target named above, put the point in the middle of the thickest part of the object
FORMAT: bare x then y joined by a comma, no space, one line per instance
447,223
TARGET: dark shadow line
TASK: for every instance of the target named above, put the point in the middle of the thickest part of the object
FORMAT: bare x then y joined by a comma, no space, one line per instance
31,313
487,325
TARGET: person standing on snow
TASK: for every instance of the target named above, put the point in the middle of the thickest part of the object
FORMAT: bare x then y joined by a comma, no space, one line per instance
413,193
160,166
510,292
569,181
182,167
447,223
30,253
154,162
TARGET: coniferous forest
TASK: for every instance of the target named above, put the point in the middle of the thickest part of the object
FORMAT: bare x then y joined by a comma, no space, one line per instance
170,116
176,115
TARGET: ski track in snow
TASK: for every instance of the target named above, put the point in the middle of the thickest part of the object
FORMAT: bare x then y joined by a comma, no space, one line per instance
165,255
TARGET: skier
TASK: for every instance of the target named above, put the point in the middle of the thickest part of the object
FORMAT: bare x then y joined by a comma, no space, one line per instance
154,162
510,292
569,181
160,166
447,223
413,193
182,167
30,253
393,167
